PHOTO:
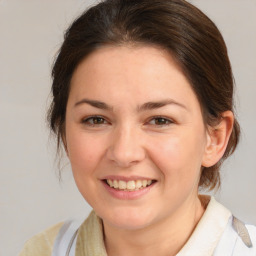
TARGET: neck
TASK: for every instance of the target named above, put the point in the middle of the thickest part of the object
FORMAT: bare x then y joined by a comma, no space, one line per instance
166,237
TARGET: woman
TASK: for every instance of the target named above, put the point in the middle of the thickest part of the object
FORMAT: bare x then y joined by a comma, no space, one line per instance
143,105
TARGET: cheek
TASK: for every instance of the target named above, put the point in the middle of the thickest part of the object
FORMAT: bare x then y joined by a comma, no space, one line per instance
84,153
179,155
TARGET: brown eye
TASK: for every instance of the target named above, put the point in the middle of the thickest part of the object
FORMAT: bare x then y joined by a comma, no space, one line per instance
160,121
98,120
94,120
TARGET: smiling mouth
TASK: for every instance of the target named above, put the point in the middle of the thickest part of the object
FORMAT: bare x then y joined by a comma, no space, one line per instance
132,185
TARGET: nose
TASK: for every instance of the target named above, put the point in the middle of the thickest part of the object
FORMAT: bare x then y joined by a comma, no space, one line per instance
126,147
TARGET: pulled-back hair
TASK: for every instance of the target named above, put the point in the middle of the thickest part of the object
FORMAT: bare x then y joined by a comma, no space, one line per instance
190,37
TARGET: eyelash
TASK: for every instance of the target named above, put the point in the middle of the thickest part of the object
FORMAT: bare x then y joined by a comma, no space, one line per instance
91,118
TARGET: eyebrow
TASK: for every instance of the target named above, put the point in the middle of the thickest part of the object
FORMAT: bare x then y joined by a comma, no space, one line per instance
159,104
94,103
144,107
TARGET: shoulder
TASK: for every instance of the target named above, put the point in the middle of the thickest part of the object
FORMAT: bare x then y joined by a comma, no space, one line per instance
234,237
238,238
42,243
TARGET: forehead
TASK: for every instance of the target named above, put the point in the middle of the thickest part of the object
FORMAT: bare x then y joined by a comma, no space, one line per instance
148,57
140,72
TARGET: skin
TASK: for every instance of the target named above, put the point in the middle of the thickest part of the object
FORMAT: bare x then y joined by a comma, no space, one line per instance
127,142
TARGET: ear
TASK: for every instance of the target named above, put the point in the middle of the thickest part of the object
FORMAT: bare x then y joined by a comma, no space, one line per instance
217,139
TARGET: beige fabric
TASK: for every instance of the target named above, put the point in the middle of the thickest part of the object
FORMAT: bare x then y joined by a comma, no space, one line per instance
42,243
90,240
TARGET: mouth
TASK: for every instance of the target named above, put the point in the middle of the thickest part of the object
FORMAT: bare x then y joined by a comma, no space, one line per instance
131,185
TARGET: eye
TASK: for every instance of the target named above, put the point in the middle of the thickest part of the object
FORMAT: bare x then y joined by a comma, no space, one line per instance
160,121
94,121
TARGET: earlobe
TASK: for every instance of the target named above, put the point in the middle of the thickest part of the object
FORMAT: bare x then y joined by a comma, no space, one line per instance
217,139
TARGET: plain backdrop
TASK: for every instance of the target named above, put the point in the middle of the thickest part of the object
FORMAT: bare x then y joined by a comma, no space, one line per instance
31,196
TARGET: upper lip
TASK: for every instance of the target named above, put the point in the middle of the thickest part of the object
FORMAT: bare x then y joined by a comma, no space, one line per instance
126,178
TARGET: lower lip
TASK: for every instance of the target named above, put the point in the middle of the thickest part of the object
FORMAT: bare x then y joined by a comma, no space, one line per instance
128,195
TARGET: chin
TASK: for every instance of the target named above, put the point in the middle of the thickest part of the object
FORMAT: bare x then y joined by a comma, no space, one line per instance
129,224
128,219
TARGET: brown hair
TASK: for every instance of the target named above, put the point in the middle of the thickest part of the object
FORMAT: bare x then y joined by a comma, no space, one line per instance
175,25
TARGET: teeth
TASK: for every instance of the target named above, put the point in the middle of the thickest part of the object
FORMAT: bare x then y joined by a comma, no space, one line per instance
144,183
122,184
110,183
115,184
138,184
131,185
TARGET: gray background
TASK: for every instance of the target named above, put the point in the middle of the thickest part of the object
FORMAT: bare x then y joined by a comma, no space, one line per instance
31,197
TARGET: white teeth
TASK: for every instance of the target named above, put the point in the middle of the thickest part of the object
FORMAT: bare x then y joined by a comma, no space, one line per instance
115,184
138,184
131,185
144,183
122,184
110,183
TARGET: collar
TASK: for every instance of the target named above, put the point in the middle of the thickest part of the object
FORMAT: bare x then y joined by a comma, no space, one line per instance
90,238
208,231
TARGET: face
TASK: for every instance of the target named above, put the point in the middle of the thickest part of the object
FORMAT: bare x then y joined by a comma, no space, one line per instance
135,135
